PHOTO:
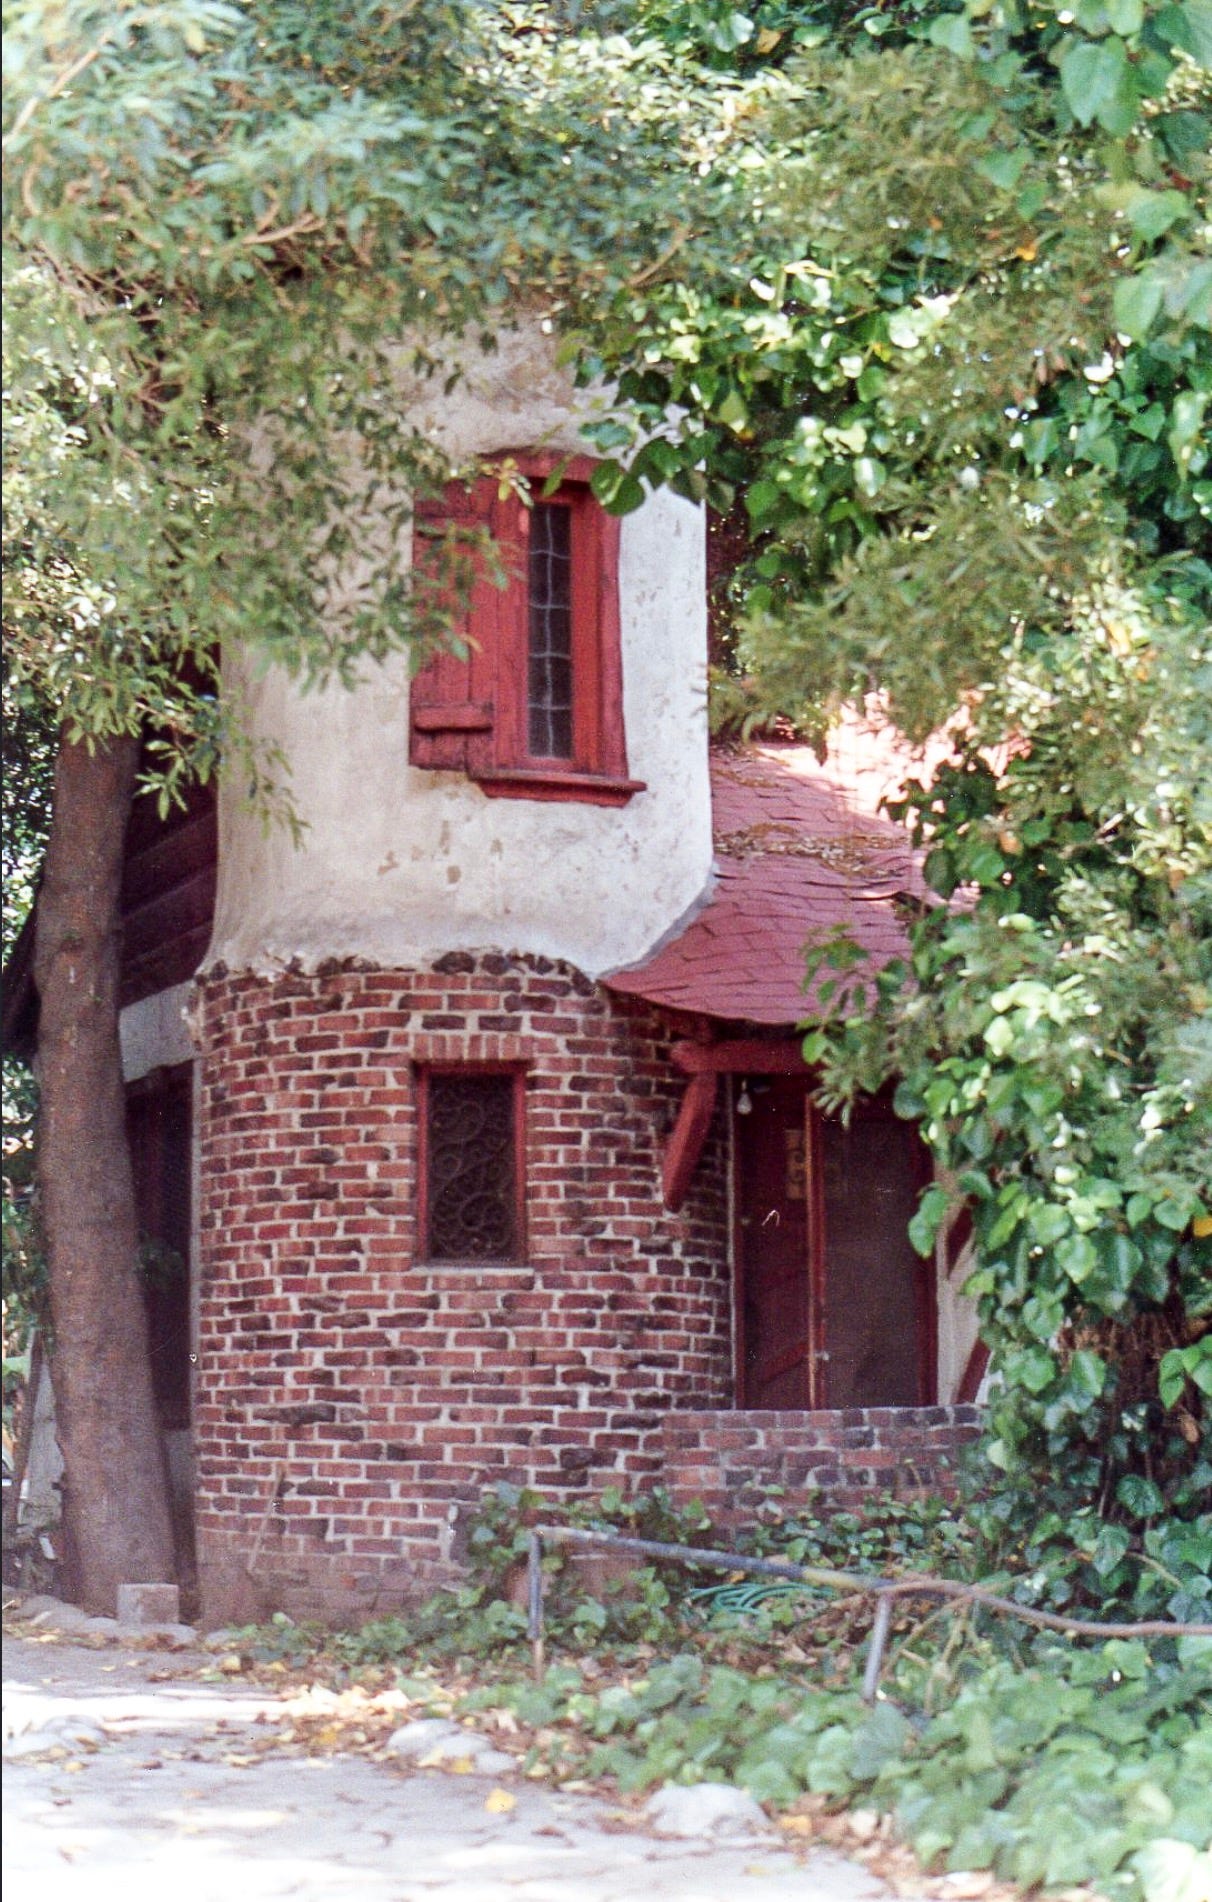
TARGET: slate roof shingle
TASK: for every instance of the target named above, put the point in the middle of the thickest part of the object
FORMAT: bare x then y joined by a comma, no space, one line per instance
802,848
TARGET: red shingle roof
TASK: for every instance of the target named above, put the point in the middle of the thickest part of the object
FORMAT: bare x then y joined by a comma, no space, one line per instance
802,849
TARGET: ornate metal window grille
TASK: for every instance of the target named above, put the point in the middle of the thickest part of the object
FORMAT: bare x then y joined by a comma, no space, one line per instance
471,1168
549,654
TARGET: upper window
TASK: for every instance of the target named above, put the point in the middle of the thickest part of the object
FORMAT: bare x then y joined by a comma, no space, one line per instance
535,710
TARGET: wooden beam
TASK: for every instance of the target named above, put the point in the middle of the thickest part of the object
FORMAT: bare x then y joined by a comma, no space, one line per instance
746,1056
958,1236
686,1139
973,1374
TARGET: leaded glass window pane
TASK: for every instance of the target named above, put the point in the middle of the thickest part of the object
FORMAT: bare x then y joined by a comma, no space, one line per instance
549,671
472,1186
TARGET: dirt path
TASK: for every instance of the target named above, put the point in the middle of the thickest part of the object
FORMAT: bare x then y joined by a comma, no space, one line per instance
129,1780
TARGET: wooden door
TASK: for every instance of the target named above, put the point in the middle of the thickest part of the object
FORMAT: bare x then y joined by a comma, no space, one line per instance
834,1308
159,1128
775,1309
877,1319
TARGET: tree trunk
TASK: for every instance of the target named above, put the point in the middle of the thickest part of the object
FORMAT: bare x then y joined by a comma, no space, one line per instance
117,1520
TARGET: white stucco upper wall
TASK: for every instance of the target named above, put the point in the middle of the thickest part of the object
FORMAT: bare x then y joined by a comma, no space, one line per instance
400,864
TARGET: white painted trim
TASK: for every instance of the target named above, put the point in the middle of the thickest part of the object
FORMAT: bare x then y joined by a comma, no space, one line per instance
154,1033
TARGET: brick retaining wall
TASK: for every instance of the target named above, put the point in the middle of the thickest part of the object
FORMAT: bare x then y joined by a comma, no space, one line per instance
726,1459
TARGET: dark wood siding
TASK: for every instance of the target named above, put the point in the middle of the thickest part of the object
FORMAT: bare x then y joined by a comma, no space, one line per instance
168,908
168,893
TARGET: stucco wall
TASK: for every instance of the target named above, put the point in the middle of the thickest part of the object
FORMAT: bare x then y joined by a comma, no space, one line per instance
399,864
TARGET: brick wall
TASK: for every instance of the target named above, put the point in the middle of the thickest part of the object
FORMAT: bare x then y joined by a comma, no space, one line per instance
351,1401
726,1459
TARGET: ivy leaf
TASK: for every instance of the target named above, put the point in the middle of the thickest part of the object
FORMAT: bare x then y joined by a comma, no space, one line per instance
1004,168
928,1218
1140,1495
1152,213
1077,1256
1113,1542
1171,1870
1188,26
954,34
1097,83
879,1739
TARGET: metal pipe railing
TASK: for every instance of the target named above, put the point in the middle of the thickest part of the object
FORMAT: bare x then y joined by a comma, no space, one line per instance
883,1590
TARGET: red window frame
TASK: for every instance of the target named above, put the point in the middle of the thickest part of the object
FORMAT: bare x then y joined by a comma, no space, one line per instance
472,715
423,1073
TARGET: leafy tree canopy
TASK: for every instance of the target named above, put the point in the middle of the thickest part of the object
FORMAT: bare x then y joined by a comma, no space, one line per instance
220,225
922,293
958,396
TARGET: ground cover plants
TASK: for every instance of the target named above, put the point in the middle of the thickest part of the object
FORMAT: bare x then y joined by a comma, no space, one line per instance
1012,1756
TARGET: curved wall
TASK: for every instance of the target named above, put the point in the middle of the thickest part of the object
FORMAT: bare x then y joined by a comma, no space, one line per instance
399,864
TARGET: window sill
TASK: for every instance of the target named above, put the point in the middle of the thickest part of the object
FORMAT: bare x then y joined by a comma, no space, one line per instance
546,782
426,1266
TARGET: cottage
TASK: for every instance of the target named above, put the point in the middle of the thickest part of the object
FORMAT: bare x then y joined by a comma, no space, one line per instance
479,1118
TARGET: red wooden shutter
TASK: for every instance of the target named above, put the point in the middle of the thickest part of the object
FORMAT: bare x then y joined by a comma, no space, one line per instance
452,698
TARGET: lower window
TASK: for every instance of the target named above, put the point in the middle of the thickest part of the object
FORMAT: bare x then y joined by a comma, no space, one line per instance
471,1164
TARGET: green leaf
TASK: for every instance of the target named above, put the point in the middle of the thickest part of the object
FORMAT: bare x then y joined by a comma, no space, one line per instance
1077,1256
616,489
1113,1543
1136,302
1004,168
762,498
1172,1215
1171,1870
1153,213
1188,26
985,864
1048,1222
927,1219
879,1739
908,1101
1140,1496
1097,82
1138,1208
869,475
1171,1376
939,872
1125,16
953,33
1088,1373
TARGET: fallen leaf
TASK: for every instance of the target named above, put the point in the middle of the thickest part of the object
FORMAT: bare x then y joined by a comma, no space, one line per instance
796,1825
458,1766
500,1802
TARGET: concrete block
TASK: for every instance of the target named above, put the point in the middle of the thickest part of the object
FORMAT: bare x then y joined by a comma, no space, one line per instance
706,1811
149,1605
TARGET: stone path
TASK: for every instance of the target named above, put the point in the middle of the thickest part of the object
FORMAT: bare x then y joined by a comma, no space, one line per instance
119,1787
